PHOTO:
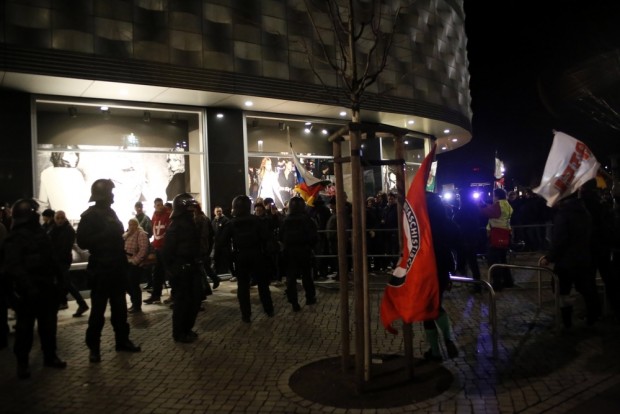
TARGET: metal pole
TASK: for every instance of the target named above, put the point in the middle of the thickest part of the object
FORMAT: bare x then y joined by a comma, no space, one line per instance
399,154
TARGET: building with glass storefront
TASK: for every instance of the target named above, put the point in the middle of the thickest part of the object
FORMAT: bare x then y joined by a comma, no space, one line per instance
204,96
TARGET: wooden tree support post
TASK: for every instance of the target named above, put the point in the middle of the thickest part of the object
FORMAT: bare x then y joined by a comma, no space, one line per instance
343,268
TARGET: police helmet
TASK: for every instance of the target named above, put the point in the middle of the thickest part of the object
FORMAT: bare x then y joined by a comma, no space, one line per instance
182,203
101,190
241,206
25,210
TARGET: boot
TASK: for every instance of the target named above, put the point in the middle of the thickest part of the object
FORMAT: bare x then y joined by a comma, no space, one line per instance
567,316
54,362
432,337
94,356
216,281
443,322
127,346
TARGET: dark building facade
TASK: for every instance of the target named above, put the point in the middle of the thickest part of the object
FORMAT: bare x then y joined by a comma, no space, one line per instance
156,94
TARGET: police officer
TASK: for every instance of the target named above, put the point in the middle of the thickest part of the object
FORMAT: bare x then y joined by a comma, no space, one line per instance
251,241
101,233
181,254
299,234
34,282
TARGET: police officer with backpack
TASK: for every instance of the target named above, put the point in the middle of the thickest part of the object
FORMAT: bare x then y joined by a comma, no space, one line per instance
298,234
181,254
249,239
101,233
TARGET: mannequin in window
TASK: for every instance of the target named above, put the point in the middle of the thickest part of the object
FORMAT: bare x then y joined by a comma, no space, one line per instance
176,167
268,181
286,181
63,186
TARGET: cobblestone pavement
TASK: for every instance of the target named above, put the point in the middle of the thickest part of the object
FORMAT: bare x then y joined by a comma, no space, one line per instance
236,367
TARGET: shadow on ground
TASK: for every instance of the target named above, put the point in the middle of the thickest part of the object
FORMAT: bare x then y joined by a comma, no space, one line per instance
324,382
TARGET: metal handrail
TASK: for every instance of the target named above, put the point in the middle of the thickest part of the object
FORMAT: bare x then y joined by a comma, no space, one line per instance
492,306
539,269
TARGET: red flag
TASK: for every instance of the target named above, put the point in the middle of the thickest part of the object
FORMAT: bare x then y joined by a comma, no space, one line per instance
412,294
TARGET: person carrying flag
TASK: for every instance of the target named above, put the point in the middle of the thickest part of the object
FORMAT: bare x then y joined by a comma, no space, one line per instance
445,234
412,293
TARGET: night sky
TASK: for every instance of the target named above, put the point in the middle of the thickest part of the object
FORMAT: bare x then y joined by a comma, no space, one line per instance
510,45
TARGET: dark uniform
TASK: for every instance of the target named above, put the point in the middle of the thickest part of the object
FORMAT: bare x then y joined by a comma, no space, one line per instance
249,238
33,279
101,232
299,235
181,254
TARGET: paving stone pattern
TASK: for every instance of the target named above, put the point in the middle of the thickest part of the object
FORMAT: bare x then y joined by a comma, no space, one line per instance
236,367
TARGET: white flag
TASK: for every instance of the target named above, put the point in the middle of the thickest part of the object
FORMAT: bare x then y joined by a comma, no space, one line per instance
499,168
569,165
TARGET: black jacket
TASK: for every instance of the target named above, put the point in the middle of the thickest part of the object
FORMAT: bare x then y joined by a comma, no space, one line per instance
101,233
182,242
63,238
28,265
571,236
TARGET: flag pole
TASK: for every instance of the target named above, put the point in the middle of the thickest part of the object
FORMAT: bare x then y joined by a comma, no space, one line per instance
399,154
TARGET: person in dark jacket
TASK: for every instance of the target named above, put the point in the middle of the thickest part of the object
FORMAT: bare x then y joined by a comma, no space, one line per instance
205,227
571,255
601,243
101,233
389,223
249,239
221,258
63,239
445,240
298,234
182,256
34,282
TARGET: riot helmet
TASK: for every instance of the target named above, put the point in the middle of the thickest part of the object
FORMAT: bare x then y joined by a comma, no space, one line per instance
241,206
24,210
296,205
101,190
182,203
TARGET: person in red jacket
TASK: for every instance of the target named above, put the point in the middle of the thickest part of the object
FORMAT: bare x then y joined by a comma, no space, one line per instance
160,221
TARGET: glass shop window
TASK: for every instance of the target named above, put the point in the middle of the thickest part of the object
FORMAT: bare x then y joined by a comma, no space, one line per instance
271,168
416,149
147,152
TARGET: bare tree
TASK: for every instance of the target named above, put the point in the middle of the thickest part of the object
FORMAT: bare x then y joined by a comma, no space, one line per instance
353,39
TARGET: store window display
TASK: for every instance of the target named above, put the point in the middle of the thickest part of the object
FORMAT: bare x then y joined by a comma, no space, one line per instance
63,184
177,178
286,181
268,186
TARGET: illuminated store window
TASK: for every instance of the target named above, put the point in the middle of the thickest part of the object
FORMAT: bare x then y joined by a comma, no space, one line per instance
271,170
416,149
147,152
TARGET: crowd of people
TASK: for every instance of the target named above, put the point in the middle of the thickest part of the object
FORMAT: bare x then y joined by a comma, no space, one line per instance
182,249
